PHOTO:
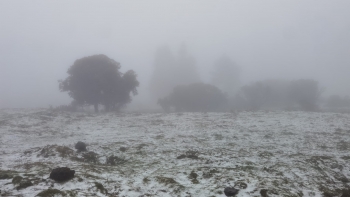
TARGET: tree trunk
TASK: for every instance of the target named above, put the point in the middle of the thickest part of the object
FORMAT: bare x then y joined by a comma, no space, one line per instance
96,108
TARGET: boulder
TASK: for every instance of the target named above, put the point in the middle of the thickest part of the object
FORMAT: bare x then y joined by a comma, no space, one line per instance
263,192
62,174
230,191
123,149
80,146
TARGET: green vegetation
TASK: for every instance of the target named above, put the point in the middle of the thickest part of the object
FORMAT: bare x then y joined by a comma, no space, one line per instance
91,157
114,160
24,184
193,177
51,193
171,183
145,180
100,187
64,151
7,174
166,180
52,150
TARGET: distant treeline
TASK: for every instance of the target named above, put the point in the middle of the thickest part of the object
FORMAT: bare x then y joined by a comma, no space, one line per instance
303,94
176,87
337,103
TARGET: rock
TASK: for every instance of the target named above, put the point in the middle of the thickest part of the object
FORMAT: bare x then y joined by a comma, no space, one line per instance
181,157
123,149
80,146
187,156
263,192
346,193
17,180
230,191
62,174
51,192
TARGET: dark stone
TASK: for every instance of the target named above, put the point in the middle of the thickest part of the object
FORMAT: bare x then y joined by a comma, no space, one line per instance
123,149
181,157
346,193
187,156
263,192
62,174
80,146
17,180
329,194
230,191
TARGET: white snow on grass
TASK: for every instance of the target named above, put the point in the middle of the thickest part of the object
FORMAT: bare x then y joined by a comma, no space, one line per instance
176,154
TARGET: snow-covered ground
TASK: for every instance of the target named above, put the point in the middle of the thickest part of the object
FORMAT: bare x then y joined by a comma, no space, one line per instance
176,154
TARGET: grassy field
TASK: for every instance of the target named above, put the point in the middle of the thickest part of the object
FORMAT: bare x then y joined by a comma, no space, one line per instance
264,153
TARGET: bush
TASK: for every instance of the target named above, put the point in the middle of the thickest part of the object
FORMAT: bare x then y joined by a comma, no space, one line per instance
305,93
301,94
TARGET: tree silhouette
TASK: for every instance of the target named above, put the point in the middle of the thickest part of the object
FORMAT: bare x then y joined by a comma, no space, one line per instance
97,80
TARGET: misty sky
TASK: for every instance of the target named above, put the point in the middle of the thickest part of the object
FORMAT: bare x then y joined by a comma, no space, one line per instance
39,40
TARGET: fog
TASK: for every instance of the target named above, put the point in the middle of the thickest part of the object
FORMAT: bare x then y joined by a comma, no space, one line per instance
285,40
